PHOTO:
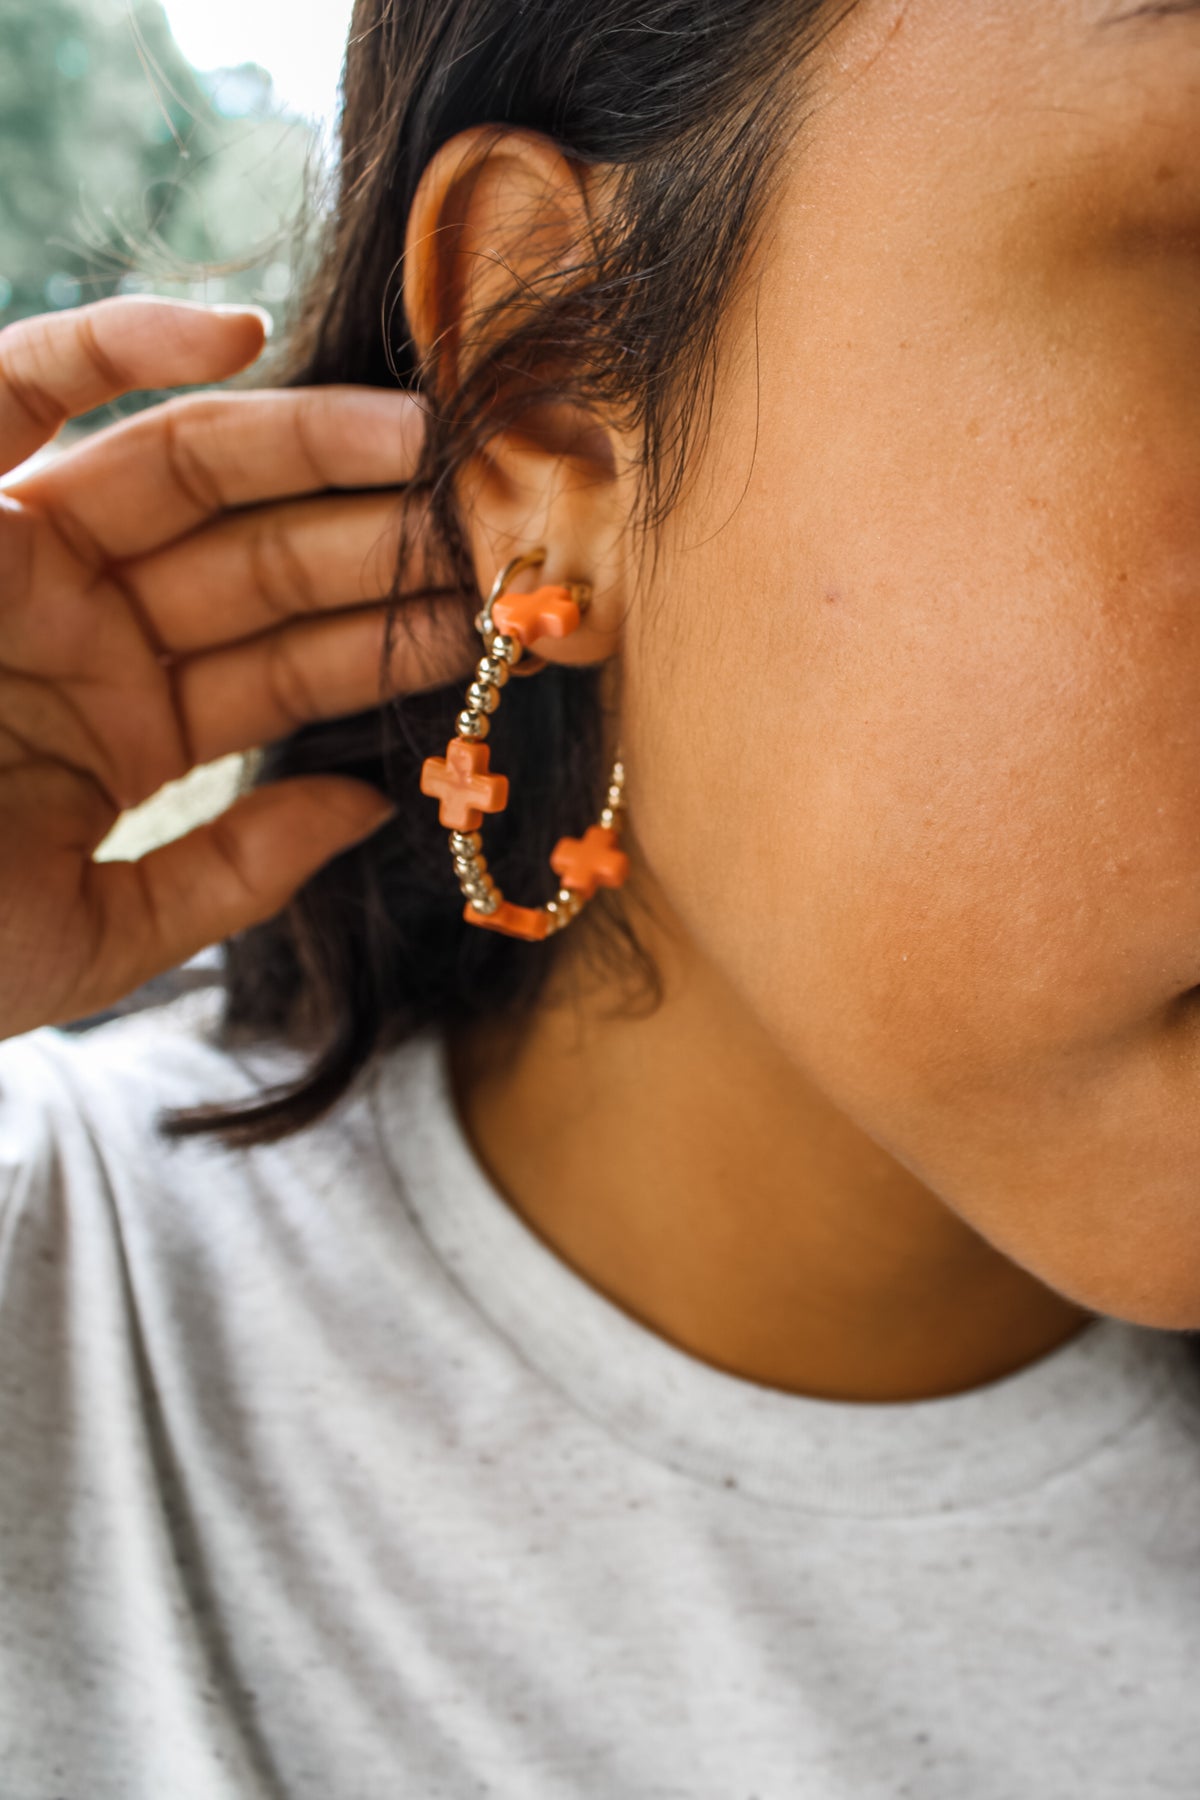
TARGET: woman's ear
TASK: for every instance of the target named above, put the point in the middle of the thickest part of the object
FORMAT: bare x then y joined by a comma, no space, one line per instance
501,224
496,212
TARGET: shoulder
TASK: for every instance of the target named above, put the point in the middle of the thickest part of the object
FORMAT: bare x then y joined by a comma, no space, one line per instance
82,1151
122,1250
63,1090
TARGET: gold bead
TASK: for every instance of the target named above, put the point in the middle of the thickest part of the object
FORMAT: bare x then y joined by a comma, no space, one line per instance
492,670
463,840
472,725
506,647
482,699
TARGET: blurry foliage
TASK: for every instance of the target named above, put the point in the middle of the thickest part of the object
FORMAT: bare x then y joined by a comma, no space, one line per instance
124,170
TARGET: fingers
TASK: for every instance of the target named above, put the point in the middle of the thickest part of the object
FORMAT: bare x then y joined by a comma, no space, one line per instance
58,365
224,876
84,681
265,567
136,486
248,694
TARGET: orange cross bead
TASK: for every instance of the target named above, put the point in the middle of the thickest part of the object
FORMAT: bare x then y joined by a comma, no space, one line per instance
590,861
517,921
549,612
461,781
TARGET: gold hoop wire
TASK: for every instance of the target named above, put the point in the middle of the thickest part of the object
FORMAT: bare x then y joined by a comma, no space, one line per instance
467,788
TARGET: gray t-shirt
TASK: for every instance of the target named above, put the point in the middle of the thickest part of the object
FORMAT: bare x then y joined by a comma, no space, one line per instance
323,1477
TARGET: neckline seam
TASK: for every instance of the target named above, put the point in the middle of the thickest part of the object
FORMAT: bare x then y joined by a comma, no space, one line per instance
919,1512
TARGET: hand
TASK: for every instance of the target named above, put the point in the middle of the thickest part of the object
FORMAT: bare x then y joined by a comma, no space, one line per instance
178,586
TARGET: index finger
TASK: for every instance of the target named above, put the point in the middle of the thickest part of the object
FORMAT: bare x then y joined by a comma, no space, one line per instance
136,486
58,365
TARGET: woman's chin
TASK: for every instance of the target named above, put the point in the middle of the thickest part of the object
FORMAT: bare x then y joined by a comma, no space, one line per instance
1160,1290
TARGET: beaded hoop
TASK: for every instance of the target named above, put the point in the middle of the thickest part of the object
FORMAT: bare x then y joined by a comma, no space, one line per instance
466,788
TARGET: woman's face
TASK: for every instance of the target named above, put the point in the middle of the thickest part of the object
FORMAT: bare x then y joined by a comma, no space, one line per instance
925,780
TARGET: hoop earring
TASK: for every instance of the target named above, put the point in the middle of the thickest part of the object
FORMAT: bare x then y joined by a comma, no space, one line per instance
463,783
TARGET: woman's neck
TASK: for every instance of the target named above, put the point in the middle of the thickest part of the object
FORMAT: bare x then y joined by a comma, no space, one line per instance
687,1172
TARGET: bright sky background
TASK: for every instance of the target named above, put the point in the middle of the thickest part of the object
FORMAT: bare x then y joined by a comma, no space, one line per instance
299,41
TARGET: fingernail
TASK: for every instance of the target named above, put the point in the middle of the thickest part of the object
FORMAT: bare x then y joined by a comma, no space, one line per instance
260,312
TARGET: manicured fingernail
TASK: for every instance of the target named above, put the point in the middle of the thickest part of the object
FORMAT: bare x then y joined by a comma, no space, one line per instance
260,312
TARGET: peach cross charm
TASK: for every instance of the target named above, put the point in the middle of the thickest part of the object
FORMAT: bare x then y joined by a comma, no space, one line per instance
531,922
583,863
461,781
548,612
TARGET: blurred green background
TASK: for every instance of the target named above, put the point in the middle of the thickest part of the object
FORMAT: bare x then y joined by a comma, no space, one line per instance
176,149
123,168
126,170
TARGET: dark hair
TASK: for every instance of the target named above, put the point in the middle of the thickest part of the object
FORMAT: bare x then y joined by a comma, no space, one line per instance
691,102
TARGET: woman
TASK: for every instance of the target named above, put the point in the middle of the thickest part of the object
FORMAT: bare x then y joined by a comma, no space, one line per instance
719,1326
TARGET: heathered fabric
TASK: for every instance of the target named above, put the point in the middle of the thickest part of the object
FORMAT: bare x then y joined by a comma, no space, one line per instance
322,1477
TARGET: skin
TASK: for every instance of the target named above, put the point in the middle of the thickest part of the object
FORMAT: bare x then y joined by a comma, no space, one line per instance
184,584
908,715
